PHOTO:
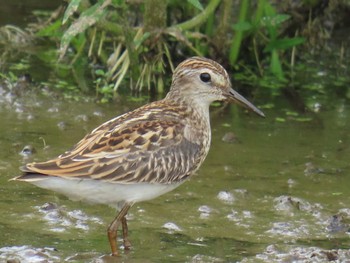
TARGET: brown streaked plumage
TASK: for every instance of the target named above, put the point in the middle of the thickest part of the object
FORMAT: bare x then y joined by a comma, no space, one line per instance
143,153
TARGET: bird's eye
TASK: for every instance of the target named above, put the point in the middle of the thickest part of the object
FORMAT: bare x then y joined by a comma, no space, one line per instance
205,77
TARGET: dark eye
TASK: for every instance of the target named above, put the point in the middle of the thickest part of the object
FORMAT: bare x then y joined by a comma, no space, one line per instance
205,77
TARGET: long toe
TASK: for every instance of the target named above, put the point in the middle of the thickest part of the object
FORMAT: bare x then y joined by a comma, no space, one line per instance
127,244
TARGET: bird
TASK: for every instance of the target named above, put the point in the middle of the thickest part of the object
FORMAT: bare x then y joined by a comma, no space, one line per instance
144,153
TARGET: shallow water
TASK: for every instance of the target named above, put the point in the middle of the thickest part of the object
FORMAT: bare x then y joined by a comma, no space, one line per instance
278,191
275,190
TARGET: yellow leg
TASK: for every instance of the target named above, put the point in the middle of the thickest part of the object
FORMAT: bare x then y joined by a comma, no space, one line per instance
113,228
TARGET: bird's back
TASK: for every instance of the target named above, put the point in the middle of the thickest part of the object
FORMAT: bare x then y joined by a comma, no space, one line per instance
163,142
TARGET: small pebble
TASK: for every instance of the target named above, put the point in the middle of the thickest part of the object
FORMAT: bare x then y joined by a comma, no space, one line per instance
81,117
230,137
27,150
98,113
48,206
311,169
53,109
336,225
62,125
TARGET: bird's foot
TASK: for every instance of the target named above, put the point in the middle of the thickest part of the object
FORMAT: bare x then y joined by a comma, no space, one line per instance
127,244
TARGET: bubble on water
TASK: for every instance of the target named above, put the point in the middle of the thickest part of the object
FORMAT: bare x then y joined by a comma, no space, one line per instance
345,212
289,204
337,224
81,118
87,256
243,218
233,216
141,210
226,197
98,113
204,211
26,254
60,219
292,253
78,214
171,226
205,258
311,169
62,125
53,109
240,192
291,183
289,229
247,214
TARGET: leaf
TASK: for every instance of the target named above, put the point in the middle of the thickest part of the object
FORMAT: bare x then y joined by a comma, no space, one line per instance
239,36
275,66
267,106
337,193
117,2
51,30
71,8
269,10
215,104
88,18
274,20
138,42
284,43
99,72
292,113
303,119
280,119
242,26
196,4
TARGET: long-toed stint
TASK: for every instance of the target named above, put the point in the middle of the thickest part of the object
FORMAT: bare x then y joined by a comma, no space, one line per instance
144,153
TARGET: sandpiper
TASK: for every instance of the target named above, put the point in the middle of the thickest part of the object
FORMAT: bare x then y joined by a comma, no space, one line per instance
144,153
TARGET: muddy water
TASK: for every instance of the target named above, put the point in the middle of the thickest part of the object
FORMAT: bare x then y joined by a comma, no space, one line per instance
274,191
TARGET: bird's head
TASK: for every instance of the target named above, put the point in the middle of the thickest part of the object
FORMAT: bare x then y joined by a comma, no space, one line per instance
205,81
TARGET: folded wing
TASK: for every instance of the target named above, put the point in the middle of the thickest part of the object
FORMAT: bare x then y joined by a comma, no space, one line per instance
143,150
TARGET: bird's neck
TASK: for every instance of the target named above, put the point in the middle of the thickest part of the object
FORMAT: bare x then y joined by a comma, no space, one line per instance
195,103
196,116
198,119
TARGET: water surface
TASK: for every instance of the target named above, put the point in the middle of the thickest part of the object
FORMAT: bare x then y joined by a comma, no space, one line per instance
278,190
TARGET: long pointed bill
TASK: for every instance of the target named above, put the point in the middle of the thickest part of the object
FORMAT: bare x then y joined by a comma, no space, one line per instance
239,99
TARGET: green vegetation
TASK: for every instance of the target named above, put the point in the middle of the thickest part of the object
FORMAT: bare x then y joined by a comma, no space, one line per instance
114,46
139,52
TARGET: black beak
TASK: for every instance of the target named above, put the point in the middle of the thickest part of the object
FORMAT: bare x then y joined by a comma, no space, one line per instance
234,96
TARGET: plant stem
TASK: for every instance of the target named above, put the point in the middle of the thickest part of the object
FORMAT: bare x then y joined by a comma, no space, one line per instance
200,18
236,44
111,27
256,54
224,18
155,15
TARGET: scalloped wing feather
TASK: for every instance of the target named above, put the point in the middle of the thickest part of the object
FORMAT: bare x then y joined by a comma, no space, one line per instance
146,145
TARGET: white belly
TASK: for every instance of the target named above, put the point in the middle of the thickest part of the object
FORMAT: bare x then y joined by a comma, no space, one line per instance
99,192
